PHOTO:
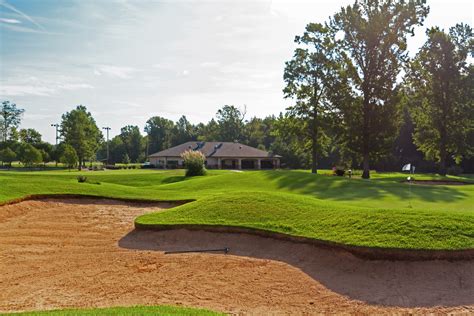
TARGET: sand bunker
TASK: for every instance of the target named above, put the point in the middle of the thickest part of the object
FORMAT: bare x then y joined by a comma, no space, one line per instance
85,253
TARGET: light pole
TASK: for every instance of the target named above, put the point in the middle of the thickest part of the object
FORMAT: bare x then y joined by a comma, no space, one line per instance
107,129
56,126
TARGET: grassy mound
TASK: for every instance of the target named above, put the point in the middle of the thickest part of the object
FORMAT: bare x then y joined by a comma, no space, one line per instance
135,310
308,217
380,212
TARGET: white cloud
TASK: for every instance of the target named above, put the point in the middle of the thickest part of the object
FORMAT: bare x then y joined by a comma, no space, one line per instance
10,21
24,15
209,64
40,87
115,71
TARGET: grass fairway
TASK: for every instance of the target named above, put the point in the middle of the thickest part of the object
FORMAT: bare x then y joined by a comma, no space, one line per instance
135,310
381,212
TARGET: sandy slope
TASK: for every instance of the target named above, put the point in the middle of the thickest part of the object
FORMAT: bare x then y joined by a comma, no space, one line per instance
83,253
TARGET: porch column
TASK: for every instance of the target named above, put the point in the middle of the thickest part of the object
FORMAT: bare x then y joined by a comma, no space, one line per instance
259,164
219,165
166,163
277,164
239,163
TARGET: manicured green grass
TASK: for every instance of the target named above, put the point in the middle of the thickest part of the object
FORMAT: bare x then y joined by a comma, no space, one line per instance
135,310
381,212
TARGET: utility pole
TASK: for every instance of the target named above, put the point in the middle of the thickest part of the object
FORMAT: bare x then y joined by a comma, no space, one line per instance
56,126
107,129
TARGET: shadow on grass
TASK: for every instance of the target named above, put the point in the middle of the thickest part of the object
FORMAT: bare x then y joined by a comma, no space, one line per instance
337,188
386,283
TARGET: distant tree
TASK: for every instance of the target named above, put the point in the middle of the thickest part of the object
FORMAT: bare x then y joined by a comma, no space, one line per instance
30,136
208,132
126,159
440,92
45,157
183,131
310,79
29,155
255,132
132,141
291,142
231,123
10,117
69,156
14,135
374,49
7,156
78,128
160,133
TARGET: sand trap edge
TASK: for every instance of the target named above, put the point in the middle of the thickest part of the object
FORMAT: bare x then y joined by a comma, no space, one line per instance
368,253
96,197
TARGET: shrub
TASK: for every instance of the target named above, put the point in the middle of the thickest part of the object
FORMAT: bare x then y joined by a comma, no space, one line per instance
454,170
7,156
339,171
194,163
29,155
81,179
69,157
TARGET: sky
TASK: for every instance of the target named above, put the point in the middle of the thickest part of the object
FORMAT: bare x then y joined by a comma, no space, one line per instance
127,61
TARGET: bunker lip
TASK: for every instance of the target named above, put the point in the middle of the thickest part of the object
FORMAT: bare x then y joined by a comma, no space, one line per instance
367,253
39,197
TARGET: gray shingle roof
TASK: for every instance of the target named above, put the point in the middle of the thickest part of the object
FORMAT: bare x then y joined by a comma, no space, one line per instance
216,149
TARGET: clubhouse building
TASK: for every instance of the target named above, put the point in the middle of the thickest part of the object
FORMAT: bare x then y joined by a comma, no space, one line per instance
219,155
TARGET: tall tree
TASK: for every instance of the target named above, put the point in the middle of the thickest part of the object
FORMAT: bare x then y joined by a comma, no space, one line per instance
441,93
78,128
374,48
160,133
310,80
183,131
10,118
208,132
231,122
30,136
132,140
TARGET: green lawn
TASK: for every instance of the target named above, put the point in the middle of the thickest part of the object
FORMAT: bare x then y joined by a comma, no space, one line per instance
381,212
135,310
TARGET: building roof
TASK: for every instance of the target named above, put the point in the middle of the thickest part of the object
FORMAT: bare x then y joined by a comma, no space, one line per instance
216,149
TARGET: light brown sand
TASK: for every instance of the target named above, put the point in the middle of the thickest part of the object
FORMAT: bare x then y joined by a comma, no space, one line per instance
85,253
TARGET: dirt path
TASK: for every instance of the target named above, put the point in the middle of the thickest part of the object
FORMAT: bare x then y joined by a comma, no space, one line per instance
85,253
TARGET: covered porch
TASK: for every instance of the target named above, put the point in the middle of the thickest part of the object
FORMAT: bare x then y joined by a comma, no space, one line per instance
248,163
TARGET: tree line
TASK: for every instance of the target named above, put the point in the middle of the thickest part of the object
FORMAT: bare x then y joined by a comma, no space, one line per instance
359,101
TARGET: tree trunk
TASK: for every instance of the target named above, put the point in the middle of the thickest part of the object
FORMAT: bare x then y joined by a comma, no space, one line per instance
314,156
365,165
314,147
80,165
442,160
365,145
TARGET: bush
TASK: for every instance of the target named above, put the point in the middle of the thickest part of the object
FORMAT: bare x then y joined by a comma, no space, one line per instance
454,170
69,157
194,163
81,179
112,167
339,171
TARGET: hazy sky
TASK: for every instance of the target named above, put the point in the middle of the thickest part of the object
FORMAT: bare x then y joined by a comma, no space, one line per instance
130,60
